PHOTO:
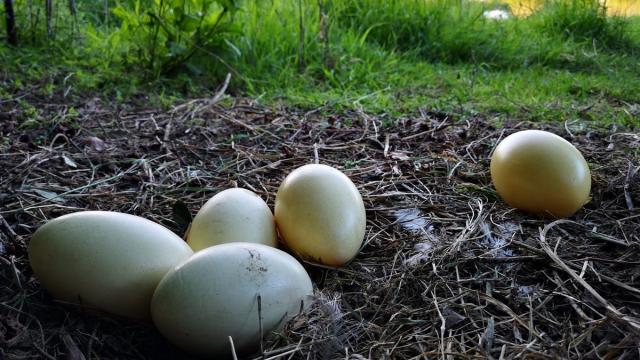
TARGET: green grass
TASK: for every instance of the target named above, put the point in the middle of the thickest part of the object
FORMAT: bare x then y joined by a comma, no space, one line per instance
568,61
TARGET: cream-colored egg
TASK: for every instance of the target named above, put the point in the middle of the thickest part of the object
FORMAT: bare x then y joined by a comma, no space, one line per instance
106,260
214,296
540,172
320,215
233,215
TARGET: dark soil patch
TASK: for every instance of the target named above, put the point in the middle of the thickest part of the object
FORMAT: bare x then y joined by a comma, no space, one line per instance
448,269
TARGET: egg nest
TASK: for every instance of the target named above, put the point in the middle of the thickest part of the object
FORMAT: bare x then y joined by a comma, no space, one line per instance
447,267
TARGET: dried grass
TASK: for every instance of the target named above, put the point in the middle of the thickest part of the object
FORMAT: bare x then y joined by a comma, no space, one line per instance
448,271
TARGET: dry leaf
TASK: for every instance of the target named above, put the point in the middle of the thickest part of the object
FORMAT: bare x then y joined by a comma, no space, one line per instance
69,161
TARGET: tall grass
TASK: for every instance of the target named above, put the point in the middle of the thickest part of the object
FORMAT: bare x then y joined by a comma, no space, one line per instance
378,54
438,30
585,21
456,31
282,41
277,42
285,52
274,35
391,55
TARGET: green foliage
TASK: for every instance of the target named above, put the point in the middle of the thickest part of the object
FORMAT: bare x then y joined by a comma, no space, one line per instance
457,32
585,21
165,34
36,28
376,55
438,30
156,35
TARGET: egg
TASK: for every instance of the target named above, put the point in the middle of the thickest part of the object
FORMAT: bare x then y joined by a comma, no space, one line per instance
105,260
233,215
540,172
320,215
223,291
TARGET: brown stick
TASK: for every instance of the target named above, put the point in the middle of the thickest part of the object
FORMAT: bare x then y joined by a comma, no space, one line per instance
634,324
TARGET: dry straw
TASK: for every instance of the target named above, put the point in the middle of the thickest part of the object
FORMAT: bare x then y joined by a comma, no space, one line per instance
447,270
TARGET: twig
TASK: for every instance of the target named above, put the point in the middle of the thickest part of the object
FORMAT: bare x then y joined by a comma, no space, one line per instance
8,227
617,314
233,349
627,193
443,323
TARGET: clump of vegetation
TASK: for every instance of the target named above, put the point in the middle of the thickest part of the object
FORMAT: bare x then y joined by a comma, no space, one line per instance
585,21
372,54
439,30
458,31
165,34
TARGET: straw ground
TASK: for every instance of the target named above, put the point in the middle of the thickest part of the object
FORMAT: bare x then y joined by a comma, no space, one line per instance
447,270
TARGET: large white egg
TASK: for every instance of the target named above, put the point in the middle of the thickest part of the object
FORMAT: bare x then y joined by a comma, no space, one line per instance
214,295
233,215
105,260
540,172
320,215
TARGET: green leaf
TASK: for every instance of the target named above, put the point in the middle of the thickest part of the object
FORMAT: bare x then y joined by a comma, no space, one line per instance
230,5
196,70
189,23
177,49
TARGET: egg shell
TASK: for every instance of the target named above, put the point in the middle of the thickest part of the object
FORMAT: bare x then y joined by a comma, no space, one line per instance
320,215
540,172
214,295
233,215
106,260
